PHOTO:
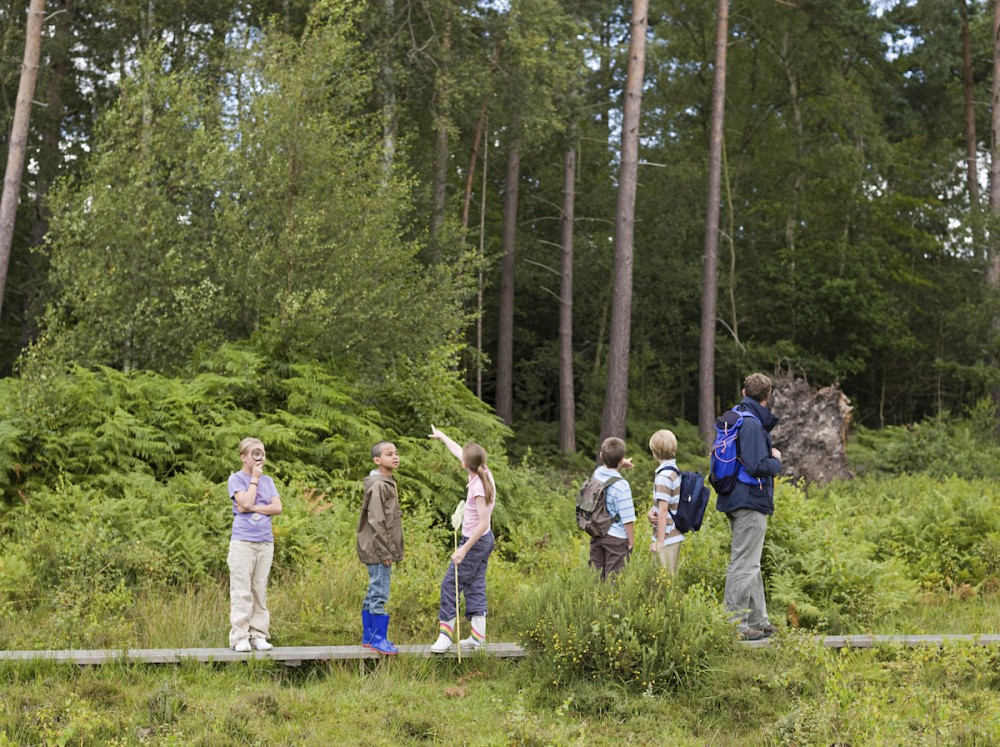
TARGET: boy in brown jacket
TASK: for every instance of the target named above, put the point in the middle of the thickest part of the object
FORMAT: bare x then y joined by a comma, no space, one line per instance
380,544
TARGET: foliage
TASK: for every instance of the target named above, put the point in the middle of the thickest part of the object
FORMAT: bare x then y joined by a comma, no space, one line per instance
944,531
945,446
643,631
825,571
263,210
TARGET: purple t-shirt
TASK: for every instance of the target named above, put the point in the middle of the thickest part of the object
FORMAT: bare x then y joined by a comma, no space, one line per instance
252,527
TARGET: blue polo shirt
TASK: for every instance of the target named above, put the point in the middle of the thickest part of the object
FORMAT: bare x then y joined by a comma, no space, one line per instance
618,498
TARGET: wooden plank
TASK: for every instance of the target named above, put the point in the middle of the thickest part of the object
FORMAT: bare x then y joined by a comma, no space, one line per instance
870,641
291,655
296,655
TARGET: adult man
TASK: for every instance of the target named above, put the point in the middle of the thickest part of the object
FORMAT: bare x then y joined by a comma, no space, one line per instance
747,508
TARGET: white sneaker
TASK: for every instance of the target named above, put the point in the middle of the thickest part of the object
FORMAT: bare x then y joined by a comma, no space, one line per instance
243,646
261,644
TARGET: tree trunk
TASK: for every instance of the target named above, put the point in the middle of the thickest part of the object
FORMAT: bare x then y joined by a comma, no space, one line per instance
389,113
993,243
19,135
505,335
439,179
613,420
50,127
567,396
710,274
792,219
968,84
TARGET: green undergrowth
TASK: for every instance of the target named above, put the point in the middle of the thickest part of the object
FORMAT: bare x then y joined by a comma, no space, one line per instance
795,693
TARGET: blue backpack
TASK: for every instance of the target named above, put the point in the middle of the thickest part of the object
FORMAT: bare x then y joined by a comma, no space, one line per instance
724,460
693,501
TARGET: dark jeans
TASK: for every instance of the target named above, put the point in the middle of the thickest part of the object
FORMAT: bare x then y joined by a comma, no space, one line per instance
609,554
471,580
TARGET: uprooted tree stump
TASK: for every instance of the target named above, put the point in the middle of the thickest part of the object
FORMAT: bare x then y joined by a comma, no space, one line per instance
812,431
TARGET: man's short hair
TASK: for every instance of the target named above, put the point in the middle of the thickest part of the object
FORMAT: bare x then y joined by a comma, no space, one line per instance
663,444
377,448
612,451
757,386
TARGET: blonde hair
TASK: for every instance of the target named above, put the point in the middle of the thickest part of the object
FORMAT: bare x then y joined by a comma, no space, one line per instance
248,443
663,444
474,457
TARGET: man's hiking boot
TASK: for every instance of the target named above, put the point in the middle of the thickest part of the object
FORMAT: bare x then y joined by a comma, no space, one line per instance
752,634
768,630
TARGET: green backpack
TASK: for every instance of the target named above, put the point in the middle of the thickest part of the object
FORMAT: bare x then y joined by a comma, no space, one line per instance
592,509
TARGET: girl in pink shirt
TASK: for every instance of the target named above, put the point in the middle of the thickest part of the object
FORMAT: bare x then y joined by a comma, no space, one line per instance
473,553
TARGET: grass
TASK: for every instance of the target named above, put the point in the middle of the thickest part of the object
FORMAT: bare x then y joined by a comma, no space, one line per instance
795,694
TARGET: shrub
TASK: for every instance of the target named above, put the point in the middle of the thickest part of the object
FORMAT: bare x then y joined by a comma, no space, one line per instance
945,531
822,571
643,631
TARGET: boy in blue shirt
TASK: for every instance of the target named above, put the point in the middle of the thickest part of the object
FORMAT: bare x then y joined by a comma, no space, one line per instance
609,553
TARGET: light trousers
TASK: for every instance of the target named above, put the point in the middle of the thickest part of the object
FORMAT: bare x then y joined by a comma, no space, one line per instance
744,595
668,556
249,567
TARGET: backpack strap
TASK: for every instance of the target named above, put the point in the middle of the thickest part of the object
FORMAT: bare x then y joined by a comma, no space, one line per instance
611,481
739,457
670,513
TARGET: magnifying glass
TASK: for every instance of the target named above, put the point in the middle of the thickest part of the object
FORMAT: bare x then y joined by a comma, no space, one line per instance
257,455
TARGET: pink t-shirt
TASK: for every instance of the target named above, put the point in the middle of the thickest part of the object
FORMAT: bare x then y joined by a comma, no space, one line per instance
471,518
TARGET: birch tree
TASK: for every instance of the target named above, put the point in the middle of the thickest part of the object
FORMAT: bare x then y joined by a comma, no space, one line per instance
19,135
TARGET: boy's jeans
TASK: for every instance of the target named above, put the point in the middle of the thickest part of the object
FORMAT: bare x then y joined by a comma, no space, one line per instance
249,567
378,588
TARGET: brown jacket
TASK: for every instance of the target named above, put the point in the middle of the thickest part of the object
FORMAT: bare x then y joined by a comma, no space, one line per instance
380,528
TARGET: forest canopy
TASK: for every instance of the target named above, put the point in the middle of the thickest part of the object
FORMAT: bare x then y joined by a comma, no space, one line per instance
329,180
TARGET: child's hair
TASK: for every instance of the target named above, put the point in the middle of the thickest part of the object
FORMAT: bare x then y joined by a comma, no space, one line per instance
757,386
248,443
377,448
663,444
474,457
612,452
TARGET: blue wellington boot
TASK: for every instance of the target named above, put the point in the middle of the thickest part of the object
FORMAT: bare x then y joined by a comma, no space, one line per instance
366,628
380,626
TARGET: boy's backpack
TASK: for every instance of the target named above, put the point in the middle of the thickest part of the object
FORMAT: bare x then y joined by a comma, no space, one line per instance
592,509
725,457
693,502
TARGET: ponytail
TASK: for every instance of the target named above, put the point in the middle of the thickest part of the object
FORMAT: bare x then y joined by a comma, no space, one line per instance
487,484
474,457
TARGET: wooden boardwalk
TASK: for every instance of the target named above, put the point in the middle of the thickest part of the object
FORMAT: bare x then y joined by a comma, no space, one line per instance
870,641
294,656
290,655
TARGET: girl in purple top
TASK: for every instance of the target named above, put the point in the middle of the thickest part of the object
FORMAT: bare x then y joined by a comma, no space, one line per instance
473,553
251,550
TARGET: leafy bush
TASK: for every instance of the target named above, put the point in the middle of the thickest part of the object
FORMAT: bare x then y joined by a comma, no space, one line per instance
945,531
943,447
643,631
824,574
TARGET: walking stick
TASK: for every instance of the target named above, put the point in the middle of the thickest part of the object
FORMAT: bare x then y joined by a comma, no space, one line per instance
456,524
